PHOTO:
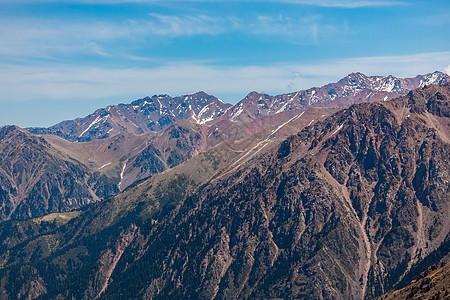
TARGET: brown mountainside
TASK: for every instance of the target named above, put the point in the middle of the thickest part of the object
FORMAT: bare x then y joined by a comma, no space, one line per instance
36,179
346,208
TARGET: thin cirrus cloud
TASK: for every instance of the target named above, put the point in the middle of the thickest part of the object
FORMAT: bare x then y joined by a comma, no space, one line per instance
345,4
72,82
321,3
173,25
281,26
44,38
39,38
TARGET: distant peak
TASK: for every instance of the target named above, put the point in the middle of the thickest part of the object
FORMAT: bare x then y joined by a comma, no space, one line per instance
356,74
10,127
160,96
436,73
201,93
253,94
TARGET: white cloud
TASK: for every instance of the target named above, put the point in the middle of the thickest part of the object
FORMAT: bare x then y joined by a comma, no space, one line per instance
172,26
299,30
345,4
50,38
44,38
322,3
21,83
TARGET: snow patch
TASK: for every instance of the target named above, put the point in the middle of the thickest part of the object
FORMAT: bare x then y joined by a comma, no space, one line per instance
337,129
282,125
289,101
236,114
204,109
97,120
203,121
121,174
160,105
105,165
314,98
430,79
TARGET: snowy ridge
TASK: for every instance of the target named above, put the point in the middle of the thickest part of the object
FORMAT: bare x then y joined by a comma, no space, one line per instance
375,88
152,114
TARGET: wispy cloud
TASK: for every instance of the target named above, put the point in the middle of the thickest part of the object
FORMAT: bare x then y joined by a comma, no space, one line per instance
20,83
38,38
300,30
45,38
321,3
173,25
308,29
346,4
447,70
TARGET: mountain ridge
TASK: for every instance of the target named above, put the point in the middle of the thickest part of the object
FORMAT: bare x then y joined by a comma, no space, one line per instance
354,88
159,111
142,115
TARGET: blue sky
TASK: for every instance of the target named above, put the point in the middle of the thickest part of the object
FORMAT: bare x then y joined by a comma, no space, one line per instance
63,59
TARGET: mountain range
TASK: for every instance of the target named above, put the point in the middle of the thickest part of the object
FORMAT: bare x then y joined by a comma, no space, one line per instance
152,114
170,130
336,192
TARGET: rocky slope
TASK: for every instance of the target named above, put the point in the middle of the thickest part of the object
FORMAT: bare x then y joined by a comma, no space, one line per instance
184,139
342,210
116,161
347,208
36,179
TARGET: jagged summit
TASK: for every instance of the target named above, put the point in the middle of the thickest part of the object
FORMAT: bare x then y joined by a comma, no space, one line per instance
142,115
354,88
160,111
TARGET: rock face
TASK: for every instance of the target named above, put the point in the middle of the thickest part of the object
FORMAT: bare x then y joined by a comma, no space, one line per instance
36,179
350,207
